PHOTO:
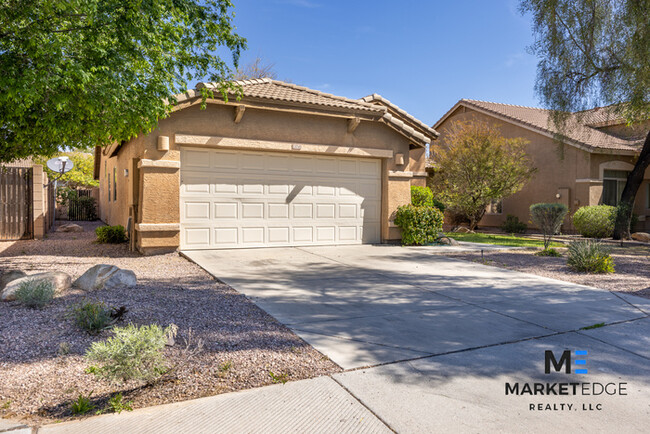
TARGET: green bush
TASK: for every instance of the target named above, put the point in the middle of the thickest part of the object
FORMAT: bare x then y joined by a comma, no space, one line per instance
133,353
595,221
82,405
92,317
549,252
35,293
548,217
111,234
512,225
420,224
590,257
423,196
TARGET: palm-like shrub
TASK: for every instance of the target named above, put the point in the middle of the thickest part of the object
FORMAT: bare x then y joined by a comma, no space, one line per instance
590,256
595,221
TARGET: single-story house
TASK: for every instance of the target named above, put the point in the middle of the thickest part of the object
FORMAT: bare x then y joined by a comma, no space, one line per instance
282,166
587,165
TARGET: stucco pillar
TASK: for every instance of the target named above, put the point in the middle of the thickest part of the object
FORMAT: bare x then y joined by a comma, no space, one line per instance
38,201
398,193
158,229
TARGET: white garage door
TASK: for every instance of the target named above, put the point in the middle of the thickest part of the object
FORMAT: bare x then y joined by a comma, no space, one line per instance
261,199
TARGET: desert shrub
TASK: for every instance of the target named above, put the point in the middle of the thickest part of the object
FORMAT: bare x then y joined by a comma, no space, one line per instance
423,196
548,217
595,221
35,293
111,234
590,257
92,317
549,252
116,404
512,225
133,353
420,224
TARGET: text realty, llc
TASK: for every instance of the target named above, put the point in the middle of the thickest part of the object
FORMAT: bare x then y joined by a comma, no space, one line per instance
565,389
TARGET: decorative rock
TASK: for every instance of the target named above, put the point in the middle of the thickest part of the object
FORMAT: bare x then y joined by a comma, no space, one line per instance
70,227
10,276
103,276
121,278
641,236
448,241
60,281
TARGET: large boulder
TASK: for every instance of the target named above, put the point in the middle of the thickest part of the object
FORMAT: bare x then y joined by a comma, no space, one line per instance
641,236
70,227
103,276
9,276
60,282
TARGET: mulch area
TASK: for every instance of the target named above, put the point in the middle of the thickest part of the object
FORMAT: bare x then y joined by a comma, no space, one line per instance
632,267
42,365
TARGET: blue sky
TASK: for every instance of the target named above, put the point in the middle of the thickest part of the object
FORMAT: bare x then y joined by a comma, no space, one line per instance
422,55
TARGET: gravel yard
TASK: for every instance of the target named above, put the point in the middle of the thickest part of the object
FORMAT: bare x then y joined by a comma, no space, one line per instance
632,265
39,377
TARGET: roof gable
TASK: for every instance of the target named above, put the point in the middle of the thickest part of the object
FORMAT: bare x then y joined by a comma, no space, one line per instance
578,133
266,90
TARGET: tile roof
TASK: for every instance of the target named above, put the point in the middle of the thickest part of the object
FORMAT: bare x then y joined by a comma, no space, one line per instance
276,90
419,129
577,131
281,92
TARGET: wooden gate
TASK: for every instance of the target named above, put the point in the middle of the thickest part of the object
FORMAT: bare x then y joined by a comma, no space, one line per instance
16,209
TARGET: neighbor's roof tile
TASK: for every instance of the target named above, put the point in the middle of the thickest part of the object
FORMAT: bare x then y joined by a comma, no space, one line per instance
576,129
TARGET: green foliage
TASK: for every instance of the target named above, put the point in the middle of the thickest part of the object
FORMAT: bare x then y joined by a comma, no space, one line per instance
117,405
420,224
82,405
278,378
590,256
512,225
548,217
595,221
133,353
423,196
76,74
476,165
35,293
549,252
111,234
92,317
594,326
82,173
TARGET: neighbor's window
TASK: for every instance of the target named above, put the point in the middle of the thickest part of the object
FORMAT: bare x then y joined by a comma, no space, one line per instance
613,185
495,207
114,183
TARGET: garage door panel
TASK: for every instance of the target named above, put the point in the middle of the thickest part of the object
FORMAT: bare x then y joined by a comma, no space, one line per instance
253,199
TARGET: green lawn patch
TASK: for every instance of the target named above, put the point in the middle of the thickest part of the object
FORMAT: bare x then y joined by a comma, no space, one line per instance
502,240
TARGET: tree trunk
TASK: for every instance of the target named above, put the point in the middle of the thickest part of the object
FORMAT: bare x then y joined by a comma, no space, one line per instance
634,180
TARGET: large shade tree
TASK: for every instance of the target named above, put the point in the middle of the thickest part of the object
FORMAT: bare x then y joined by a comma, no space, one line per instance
79,73
594,53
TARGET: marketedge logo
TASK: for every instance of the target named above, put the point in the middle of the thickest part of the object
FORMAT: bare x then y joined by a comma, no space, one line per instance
568,362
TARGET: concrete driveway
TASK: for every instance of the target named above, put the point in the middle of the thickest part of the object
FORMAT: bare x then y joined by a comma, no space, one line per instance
438,338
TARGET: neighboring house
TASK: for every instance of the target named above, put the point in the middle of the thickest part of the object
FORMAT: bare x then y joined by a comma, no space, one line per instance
588,166
283,166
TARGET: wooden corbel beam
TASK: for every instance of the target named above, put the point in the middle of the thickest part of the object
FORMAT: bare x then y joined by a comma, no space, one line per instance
239,113
353,123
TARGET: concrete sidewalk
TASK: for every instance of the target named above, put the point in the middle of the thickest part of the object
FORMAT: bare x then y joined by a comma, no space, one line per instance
428,343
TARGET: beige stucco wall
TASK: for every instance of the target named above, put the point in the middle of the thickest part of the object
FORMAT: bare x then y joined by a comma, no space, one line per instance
158,188
559,167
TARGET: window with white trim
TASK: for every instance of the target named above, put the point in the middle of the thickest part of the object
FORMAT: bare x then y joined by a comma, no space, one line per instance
613,185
